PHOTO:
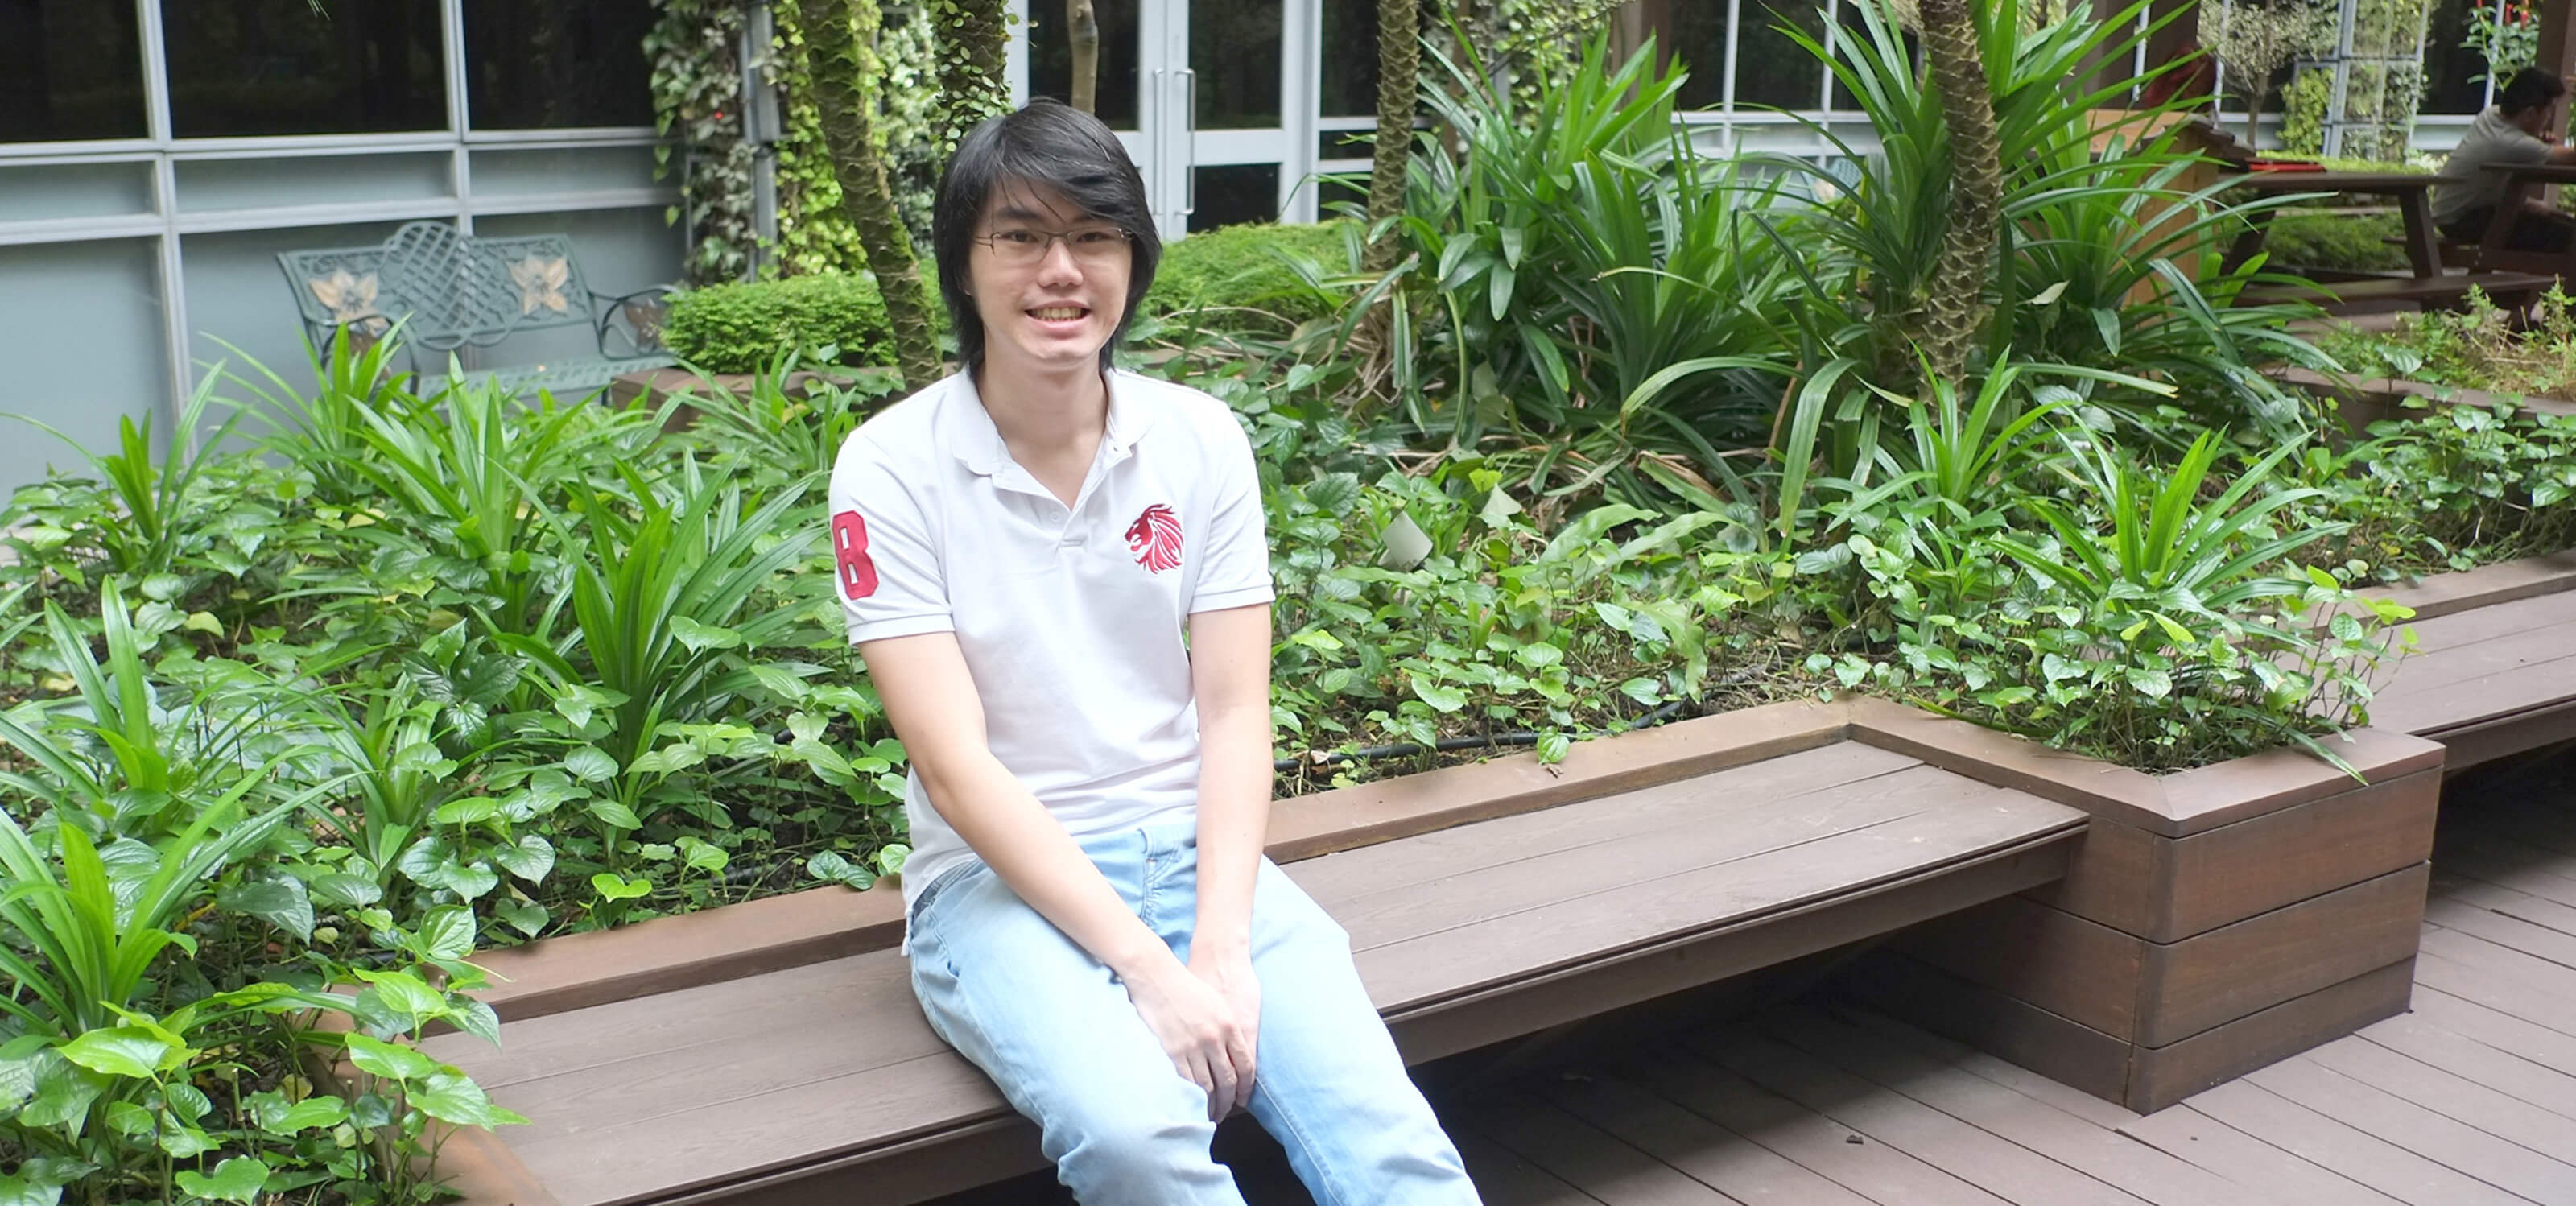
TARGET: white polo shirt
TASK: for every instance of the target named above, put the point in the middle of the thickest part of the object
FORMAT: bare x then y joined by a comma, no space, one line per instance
1069,618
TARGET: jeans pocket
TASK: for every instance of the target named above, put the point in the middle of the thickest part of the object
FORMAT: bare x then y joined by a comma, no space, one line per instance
917,922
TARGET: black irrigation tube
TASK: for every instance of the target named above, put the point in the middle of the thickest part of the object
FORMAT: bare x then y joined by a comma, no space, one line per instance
1406,749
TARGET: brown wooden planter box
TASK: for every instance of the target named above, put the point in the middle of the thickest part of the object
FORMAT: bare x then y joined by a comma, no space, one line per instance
2367,400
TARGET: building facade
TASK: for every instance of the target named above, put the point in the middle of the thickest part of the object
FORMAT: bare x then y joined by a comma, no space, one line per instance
155,155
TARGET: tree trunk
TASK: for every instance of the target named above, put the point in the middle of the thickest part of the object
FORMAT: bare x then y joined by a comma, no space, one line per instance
1954,305
840,42
1083,26
1399,69
971,37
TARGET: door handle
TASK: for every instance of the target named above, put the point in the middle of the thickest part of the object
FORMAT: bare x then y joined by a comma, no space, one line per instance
1190,128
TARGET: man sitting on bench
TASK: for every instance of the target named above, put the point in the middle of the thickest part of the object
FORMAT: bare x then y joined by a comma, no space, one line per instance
2511,131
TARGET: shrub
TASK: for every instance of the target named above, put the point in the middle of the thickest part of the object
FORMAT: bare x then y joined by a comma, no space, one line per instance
1237,266
2348,242
739,327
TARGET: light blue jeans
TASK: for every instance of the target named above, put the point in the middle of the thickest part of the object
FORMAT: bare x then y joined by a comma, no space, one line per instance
1056,1031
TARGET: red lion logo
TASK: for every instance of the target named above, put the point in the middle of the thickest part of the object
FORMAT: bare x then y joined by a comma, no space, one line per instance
1155,538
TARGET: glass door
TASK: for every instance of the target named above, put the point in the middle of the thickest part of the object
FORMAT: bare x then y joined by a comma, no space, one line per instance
1203,100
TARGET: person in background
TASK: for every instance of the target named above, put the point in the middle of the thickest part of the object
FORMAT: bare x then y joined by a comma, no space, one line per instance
2511,131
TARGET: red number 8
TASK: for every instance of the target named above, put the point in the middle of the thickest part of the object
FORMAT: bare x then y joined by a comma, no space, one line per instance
850,549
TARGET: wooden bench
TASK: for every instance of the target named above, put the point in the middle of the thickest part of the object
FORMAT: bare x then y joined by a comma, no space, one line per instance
1645,865
2509,289
2494,669
454,293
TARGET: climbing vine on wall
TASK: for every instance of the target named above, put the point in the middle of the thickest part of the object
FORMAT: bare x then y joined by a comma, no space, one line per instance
697,88
1522,42
813,234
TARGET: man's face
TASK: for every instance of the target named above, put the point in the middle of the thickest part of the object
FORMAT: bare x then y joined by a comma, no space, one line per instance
1049,281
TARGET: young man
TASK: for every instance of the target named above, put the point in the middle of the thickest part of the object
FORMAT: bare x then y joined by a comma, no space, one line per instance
1057,574
2510,131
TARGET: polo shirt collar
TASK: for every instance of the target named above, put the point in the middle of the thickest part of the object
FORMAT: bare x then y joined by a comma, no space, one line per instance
978,443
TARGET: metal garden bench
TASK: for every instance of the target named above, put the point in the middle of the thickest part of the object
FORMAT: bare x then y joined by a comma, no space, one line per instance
451,292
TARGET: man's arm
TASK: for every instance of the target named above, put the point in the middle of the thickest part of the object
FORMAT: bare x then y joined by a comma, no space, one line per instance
930,697
1230,678
1230,674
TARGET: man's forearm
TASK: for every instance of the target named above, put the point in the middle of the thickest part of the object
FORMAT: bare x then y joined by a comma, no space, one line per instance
1012,832
1234,821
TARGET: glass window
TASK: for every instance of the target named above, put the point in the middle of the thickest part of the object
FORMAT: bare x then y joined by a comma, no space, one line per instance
70,69
2454,70
1770,69
1234,48
1051,58
1699,41
1235,192
1350,59
249,67
556,64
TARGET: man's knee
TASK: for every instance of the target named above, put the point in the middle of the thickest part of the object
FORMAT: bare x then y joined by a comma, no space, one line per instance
1107,1147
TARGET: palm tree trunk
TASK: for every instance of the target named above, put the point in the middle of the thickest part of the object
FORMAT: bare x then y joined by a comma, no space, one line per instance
1954,305
1082,25
971,37
840,44
1399,69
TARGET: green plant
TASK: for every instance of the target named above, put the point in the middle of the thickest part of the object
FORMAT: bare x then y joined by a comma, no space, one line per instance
738,328
697,78
155,520
778,429
1249,268
2508,42
1580,288
2341,242
2303,118
659,597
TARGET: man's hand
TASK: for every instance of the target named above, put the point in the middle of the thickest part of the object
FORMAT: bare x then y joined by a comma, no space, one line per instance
1229,972
1200,1029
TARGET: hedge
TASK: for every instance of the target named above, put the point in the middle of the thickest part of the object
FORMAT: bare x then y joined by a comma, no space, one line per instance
735,328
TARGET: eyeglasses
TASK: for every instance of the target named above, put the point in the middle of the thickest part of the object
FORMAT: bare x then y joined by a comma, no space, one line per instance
1024,247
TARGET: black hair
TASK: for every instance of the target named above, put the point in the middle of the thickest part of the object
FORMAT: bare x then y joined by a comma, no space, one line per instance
2529,89
1054,145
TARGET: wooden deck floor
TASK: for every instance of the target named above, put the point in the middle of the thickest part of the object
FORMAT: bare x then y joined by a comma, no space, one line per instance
2469,1100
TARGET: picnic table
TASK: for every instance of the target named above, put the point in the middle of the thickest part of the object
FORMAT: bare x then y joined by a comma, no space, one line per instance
2425,284
2519,180
2412,191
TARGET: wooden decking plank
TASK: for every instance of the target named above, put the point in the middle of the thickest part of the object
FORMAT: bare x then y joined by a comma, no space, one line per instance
2533,1083
2100,1153
2534,873
1352,876
1584,1156
791,1127
2104,1114
2424,1086
1504,1179
874,1024
1998,1165
2539,975
2326,1141
2186,1133
2512,933
2498,992
1410,908
1505,945
667,1025
2496,898
2458,1146
1873,1170
2505,1032
2523,688
2431,669
2473,625
1728,1162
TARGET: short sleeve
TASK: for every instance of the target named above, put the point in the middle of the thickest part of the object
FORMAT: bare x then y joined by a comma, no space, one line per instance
886,570
1236,572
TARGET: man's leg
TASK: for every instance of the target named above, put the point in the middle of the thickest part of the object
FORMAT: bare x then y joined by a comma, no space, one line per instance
1328,1084
1057,1033
2544,231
